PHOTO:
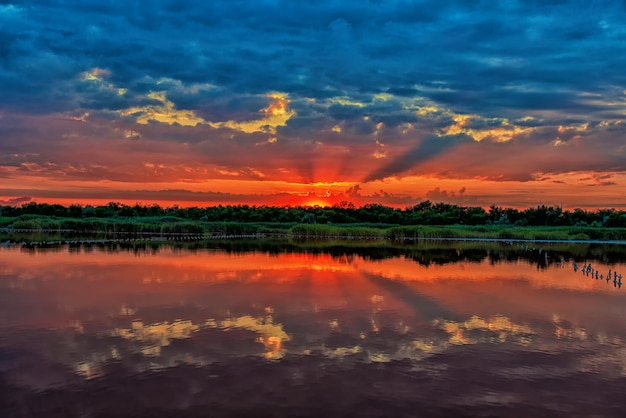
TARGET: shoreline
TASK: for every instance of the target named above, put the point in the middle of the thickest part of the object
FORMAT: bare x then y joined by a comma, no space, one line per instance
81,237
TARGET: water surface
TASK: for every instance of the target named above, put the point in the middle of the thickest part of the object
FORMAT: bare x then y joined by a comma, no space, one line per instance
235,329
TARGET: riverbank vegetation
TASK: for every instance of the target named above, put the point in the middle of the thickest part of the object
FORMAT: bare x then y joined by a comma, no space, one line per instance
426,220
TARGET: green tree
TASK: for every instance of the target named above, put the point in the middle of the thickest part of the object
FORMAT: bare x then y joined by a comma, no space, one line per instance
127,211
88,211
75,211
309,218
475,216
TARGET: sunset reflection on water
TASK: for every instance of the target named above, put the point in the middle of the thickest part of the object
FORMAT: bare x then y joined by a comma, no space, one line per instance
97,314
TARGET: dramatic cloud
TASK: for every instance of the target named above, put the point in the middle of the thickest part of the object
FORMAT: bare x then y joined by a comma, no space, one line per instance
296,97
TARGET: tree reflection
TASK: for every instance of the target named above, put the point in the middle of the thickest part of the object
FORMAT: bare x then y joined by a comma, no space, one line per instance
426,252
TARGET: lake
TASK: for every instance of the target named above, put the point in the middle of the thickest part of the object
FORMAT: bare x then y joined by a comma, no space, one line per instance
277,328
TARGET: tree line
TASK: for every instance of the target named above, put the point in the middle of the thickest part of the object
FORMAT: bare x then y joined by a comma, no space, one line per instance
423,213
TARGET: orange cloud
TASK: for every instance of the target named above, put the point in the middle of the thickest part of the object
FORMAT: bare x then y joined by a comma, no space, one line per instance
165,112
277,113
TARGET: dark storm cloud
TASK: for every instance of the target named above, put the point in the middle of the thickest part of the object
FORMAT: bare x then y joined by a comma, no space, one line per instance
305,49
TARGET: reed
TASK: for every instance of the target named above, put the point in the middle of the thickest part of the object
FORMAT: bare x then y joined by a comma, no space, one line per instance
168,225
333,231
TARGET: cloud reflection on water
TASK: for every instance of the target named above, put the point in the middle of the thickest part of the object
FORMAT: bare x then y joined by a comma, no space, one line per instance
100,316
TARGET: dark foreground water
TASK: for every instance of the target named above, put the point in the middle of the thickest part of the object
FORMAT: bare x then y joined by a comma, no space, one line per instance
233,329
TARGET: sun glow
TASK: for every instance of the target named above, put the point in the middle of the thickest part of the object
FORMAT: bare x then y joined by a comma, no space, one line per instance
317,201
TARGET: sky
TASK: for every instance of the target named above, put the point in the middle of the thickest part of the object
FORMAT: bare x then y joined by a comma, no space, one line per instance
514,103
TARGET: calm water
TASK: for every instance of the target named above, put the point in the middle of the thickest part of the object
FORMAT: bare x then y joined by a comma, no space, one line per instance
275,329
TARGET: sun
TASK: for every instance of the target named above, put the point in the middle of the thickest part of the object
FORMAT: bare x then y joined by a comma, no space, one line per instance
316,201
314,198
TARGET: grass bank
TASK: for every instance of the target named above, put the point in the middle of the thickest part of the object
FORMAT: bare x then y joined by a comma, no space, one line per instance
500,232
170,225
504,232
139,225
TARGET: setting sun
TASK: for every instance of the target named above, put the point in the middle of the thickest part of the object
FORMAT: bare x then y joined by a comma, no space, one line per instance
316,202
